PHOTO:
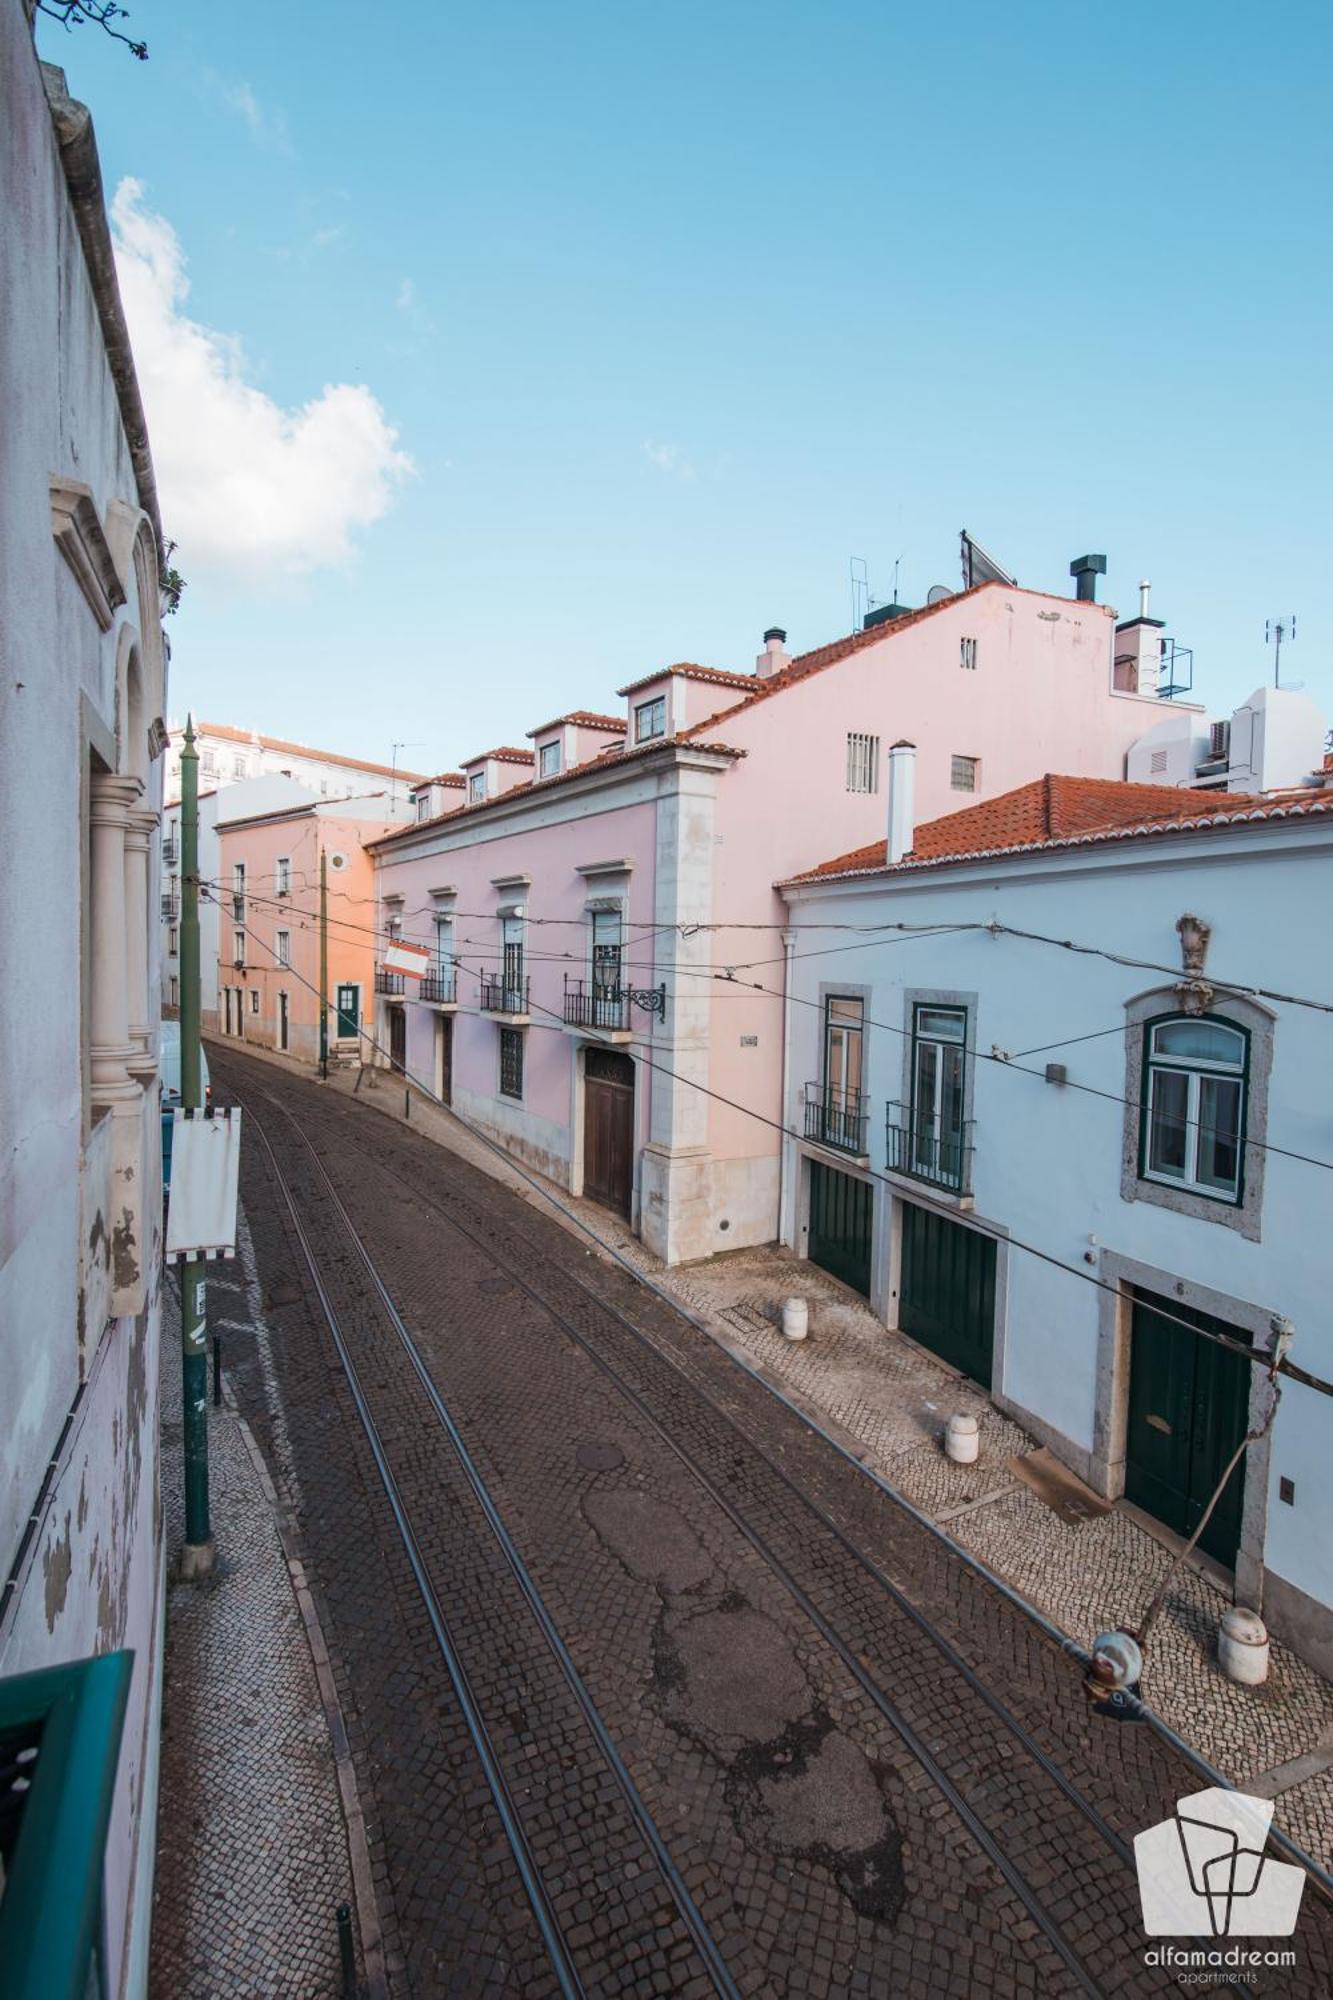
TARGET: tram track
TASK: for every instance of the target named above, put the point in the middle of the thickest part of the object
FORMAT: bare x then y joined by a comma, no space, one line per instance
914,1735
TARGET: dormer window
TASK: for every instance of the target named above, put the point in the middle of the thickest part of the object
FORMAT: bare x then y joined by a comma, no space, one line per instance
548,760
423,805
650,719
476,788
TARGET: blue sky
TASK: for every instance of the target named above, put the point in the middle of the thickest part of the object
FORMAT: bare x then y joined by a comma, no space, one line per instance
673,313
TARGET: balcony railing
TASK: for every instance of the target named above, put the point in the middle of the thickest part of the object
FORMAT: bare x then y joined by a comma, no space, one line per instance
388,982
439,986
171,853
838,1118
914,1147
503,996
588,1005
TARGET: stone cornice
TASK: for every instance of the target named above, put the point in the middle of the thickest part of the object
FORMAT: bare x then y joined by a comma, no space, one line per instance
80,538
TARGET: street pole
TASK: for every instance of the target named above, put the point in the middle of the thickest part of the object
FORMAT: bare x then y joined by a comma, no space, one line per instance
324,965
197,1555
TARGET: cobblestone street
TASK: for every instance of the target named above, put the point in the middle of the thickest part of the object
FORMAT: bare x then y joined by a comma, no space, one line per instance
647,1689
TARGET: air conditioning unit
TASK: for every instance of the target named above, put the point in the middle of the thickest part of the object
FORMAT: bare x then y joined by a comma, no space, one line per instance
1219,739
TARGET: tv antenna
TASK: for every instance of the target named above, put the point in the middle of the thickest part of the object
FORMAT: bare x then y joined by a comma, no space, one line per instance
393,782
860,582
1276,632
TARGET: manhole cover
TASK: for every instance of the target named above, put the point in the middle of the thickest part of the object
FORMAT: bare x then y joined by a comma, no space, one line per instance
600,1457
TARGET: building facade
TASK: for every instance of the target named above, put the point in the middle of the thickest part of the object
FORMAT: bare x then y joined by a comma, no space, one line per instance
267,918
591,903
81,738
1090,1178
230,756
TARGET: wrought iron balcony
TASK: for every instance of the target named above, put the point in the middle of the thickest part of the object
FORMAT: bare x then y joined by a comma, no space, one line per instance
588,1005
914,1147
171,908
837,1118
439,986
171,853
389,982
501,995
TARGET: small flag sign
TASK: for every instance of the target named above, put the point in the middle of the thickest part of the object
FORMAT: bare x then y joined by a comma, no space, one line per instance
412,960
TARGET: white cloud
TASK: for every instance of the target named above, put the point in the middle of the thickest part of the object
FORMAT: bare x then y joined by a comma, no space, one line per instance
267,128
407,296
246,485
668,458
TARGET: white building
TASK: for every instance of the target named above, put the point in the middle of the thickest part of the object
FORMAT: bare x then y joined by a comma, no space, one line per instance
81,737
1037,1161
229,756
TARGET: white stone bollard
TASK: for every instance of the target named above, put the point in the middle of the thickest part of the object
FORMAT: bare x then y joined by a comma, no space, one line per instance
1242,1647
962,1439
795,1319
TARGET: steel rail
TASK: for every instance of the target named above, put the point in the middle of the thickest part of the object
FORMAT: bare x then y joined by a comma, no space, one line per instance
690,1914
566,1973
875,1693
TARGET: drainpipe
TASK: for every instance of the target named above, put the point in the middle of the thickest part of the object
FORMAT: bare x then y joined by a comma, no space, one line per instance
784,1142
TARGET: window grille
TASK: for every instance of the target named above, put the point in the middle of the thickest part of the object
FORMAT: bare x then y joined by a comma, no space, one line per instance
963,773
862,762
1157,762
967,654
511,1062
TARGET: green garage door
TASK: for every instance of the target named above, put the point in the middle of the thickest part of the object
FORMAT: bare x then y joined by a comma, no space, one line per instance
946,1291
841,1225
1189,1403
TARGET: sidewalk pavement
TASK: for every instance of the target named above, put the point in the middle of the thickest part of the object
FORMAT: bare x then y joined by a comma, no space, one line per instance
253,1844
1084,1565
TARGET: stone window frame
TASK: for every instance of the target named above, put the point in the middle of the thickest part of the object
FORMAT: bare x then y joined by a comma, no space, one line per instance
1259,1023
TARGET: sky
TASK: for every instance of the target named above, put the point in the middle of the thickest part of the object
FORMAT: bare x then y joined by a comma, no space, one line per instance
497,355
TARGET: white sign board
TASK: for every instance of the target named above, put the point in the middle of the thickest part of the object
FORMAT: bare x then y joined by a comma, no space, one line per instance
412,959
205,1171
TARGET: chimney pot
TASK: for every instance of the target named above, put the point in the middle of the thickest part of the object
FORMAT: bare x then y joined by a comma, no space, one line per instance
902,805
775,655
1144,589
1085,570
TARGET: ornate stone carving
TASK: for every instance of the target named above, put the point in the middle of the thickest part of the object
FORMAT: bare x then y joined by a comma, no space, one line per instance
1193,991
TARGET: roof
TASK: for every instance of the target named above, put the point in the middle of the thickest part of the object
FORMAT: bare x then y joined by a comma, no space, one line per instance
506,754
322,809
252,736
441,778
1054,812
601,762
691,672
582,718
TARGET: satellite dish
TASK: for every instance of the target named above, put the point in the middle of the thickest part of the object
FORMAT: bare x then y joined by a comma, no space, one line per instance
937,593
337,861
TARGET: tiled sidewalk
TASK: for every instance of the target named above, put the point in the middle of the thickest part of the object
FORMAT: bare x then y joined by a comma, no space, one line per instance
252,1842
889,1400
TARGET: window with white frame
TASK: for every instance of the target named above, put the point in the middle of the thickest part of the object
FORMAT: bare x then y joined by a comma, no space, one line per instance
1195,1085
282,945
606,953
254,999
862,762
238,947
548,760
476,788
208,763
423,805
650,719
282,875
963,773
939,1080
967,654
239,767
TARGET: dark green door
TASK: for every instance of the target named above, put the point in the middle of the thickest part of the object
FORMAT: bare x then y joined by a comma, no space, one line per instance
1189,1404
946,1291
347,1014
841,1225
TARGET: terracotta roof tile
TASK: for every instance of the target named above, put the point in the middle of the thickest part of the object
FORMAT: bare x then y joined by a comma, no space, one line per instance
691,672
251,737
582,718
441,778
507,753
1058,812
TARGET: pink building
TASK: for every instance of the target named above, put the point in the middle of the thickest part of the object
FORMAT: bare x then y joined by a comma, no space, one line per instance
268,924
587,908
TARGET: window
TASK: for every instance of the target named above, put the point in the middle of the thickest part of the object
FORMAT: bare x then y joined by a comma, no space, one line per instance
283,947
1194,1092
476,788
511,1062
967,654
423,805
254,999
174,991
239,767
650,719
208,763
939,1066
238,947
963,773
548,760
282,875
238,893
511,946
606,968
173,941
862,763
844,1020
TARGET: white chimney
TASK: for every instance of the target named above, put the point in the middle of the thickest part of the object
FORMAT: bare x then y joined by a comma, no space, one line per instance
775,655
902,805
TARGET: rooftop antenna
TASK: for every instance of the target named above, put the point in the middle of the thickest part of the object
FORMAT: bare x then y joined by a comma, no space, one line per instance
1275,631
393,781
861,598
897,565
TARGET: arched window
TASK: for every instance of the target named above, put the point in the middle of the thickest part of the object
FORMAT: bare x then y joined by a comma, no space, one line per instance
1196,1073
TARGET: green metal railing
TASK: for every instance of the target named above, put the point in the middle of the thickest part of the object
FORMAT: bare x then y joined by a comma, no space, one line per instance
60,1735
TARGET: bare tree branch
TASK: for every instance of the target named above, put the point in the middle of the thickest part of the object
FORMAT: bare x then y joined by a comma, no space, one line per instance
73,13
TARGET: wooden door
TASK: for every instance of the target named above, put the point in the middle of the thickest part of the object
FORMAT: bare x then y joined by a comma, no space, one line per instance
841,1225
284,1021
1189,1402
946,1290
608,1129
444,1030
398,1039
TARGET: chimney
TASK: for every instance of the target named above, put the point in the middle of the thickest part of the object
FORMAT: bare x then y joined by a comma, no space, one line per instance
902,807
1086,570
775,655
1138,650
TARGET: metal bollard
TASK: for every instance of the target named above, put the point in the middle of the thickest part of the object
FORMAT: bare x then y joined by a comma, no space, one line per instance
347,1952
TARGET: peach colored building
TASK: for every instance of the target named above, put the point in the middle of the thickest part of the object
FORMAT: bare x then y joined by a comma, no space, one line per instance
608,942
268,924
